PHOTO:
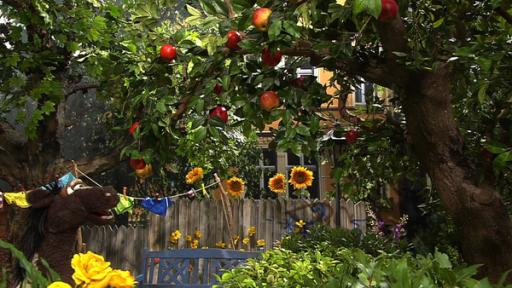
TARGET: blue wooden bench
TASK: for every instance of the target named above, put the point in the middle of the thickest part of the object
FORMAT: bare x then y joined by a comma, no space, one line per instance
188,267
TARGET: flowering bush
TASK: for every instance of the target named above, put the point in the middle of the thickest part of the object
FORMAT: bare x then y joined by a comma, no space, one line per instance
92,271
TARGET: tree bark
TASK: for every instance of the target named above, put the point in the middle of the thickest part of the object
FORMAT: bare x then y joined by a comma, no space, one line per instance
478,210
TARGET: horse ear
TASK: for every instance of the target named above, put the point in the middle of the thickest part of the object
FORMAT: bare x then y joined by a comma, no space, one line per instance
40,198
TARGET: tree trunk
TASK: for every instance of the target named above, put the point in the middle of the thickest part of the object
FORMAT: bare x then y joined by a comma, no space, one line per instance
478,210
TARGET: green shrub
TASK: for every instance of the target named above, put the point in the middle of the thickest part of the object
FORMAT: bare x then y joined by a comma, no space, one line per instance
351,268
329,240
32,274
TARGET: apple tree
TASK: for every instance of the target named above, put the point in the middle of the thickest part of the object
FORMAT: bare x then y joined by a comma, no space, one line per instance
198,78
445,62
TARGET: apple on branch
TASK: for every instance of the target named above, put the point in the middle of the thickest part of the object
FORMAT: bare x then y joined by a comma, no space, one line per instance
217,89
168,52
271,59
233,38
389,10
269,100
220,112
261,18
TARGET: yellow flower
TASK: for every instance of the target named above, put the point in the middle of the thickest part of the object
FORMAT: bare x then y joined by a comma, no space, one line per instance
198,234
246,240
188,238
175,236
235,239
59,284
251,231
300,223
121,279
260,243
91,270
301,177
235,186
277,183
194,244
220,244
194,175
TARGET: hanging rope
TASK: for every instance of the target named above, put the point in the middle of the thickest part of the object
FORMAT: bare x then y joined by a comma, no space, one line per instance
189,193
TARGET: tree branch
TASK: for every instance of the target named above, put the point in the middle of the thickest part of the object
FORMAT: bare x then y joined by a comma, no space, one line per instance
88,165
393,36
231,11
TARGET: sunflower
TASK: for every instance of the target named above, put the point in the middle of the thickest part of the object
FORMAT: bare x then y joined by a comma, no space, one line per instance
277,183
301,178
235,186
260,243
194,175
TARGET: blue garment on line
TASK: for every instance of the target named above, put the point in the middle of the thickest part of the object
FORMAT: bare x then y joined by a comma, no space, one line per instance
156,206
59,183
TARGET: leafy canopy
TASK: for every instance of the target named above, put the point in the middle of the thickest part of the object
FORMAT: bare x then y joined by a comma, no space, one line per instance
48,45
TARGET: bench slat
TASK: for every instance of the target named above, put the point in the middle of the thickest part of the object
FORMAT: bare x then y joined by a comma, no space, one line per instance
189,267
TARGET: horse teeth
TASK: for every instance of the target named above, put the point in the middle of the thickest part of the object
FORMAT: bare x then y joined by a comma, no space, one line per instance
107,217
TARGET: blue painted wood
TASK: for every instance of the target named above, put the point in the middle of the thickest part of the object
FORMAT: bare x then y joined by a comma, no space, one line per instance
188,267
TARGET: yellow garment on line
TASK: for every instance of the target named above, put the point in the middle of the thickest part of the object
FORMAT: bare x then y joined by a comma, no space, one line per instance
17,198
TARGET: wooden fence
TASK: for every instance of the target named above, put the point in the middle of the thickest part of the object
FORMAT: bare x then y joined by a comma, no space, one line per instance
123,245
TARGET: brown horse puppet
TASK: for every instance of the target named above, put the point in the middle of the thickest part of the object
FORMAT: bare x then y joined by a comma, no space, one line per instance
55,218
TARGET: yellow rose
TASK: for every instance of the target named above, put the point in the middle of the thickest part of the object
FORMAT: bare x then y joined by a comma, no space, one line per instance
59,284
121,279
91,270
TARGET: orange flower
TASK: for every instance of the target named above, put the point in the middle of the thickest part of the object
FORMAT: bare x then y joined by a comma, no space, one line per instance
277,183
235,186
194,175
301,178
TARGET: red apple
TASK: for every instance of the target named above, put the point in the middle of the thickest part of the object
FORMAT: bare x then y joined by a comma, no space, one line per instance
134,127
137,164
351,136
168,52
217,89
221,112
233,39
389,10
270,59
269,100
260,18
299,82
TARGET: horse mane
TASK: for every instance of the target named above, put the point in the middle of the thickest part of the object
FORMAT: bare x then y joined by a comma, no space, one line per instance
34,234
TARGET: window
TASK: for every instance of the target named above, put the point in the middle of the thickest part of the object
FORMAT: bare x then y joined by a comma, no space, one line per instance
309,162
363,90
267,165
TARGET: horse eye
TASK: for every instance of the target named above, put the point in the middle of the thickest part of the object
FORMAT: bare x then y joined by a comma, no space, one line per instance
70,190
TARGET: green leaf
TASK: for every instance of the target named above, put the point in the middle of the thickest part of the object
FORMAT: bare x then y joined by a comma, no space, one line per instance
193,11
200,134
359,7
443,260
303,130
374,8
275,29
502,160
291,28
161,107
438,23
482,93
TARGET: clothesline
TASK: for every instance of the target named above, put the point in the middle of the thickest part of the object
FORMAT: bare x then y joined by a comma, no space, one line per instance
189,193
